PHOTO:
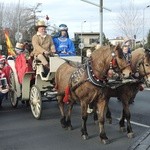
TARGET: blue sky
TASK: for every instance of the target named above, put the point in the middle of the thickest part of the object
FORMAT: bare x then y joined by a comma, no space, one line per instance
74,12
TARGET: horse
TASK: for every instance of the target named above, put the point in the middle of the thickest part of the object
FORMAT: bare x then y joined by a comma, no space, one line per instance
83,83
140,64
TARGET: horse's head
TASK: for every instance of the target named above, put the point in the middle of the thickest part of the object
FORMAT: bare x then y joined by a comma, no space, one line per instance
119,62
109,62
143,67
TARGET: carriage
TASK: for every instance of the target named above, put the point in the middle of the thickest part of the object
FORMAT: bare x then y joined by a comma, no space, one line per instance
34,86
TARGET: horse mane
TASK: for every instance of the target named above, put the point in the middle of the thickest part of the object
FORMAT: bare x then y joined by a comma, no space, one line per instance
136,56
119,51
147,55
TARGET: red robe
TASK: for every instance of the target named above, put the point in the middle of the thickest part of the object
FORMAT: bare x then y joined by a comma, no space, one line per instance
22,66
7,70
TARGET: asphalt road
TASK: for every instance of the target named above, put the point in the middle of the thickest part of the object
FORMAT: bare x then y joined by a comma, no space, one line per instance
20,131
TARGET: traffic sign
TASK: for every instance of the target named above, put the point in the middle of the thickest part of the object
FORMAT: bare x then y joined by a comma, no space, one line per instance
81,45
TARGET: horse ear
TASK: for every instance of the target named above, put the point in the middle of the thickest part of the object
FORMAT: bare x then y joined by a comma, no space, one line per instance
147,50
117,47
147,54
119,50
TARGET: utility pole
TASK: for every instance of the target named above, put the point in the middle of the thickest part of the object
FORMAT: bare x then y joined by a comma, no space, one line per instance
101,17
144,23
36,11
101,23
18,28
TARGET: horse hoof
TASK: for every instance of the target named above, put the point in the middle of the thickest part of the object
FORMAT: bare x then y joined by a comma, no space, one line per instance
122,129
64,126
130,135
85,137
96,121
70,128
105,141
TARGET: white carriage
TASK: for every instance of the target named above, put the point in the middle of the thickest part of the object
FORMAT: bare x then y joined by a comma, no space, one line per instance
33,91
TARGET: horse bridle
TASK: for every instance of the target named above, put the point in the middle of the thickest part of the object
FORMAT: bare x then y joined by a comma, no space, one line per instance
114,64
141,62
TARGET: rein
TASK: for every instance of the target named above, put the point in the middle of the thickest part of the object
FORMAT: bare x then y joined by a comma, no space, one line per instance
92,77
141,62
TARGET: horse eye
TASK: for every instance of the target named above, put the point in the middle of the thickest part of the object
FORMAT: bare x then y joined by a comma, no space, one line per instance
146,65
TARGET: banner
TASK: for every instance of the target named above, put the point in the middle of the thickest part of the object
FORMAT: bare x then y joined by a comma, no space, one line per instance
10,48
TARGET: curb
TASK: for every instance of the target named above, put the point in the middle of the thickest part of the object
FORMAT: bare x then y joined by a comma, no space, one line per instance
142,143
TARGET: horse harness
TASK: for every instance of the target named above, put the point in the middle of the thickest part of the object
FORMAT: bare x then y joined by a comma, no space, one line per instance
137,75
91,77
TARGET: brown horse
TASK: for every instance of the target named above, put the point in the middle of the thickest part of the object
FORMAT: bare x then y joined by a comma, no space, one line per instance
140,64
84,83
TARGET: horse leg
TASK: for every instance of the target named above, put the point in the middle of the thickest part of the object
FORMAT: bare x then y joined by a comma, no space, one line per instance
122,122
127,116
61,108
84,120
68,118
95,116
101,106
108,115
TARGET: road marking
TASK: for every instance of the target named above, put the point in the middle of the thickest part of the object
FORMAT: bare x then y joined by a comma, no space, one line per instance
147,89
136,123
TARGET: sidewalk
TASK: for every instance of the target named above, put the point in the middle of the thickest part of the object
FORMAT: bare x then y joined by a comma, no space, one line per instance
143,143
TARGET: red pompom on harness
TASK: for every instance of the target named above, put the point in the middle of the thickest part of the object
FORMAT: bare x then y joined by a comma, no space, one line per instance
113,62
67,93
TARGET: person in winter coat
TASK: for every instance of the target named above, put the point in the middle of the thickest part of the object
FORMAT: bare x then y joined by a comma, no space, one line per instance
4,88
63,44
42,45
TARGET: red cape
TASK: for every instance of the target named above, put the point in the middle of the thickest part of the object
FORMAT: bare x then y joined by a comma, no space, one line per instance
22,66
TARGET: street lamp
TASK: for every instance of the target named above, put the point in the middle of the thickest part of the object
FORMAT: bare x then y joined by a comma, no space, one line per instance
101,17
36,11
81,45
35,15
18,27
144,22
82,30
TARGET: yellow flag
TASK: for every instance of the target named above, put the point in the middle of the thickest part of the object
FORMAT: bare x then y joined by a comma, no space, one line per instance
9,44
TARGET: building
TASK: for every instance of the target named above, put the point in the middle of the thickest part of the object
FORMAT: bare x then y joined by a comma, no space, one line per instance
89,39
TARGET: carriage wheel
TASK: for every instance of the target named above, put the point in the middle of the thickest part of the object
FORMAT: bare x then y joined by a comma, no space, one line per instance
12,92
36,101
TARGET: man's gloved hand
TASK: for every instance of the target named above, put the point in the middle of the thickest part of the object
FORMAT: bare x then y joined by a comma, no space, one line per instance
53,50
46,53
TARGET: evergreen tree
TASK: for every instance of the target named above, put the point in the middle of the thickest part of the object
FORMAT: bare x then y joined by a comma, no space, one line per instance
147,45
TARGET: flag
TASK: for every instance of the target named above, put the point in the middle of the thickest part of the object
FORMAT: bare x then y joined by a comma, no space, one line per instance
10,48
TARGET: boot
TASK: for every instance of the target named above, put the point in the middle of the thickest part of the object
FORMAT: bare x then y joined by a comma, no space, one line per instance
46,70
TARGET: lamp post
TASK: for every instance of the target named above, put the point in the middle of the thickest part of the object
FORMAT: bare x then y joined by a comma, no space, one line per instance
82,30
81,45
144,22
18,27
36,11
101,17
101,23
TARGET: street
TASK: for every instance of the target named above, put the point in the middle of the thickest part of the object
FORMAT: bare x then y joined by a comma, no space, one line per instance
20,131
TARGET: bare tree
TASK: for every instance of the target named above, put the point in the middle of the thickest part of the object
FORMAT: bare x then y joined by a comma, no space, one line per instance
129,21
10,15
